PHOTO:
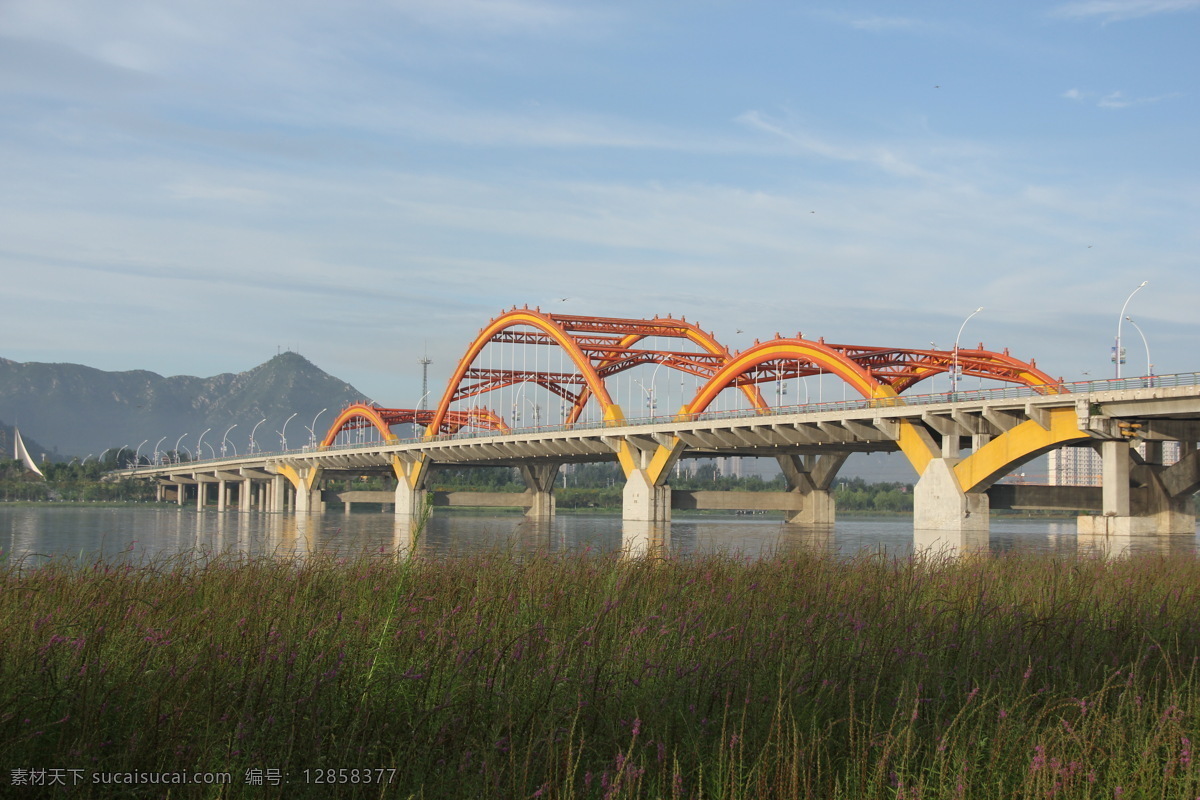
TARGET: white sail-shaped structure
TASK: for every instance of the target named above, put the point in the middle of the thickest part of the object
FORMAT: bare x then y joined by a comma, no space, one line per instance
22,455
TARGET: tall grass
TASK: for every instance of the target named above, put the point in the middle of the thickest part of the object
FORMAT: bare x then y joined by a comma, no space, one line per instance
1018,676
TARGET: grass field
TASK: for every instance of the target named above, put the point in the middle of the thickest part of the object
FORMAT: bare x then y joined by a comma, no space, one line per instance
586,676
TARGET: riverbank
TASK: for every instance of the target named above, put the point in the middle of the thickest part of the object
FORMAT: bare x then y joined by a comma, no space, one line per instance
588,676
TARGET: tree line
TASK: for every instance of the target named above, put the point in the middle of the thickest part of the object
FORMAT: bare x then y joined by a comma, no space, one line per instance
71,482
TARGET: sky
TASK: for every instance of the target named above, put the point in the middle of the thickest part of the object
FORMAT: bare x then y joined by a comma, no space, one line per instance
192,187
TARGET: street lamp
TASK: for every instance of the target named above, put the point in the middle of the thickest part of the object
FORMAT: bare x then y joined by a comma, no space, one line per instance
283,433
177,441
1118,355
137,455
312,430
516,404
417,426
253,431
651,402
1149,366
225,438
156,455
954,376
200,445
537,412
651,399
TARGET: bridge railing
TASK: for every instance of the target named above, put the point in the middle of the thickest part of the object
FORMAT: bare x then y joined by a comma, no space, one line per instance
820,407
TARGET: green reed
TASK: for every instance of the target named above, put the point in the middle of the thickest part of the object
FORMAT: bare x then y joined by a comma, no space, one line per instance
586,676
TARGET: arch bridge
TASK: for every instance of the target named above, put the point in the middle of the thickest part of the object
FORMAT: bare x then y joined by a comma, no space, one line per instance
959,443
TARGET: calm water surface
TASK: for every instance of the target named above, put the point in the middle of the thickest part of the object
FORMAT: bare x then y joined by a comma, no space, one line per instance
134,534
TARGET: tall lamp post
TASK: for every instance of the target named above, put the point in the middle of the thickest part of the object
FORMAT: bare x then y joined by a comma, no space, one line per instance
652,392
156,455
200,445
225,439
954,376
253,431
177,441
137,455
1117,355
312,429
283,433
1146,344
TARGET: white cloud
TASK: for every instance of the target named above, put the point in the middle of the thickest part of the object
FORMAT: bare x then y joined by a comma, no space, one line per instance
887,157
1117,10
1115,99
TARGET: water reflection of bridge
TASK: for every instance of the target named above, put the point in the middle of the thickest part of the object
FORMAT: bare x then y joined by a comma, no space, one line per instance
291,535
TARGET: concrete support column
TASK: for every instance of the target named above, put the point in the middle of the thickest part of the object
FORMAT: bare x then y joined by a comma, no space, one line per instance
1162,503
222,494
811,477
951,446
1115,470
940,505
303,500
410,502
246,496
819,509
278,494
539,483
180,493
647,463
412,476
201,494
643,500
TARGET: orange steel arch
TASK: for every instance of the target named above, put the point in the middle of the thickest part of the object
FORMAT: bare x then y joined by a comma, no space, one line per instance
364,415
547,326
816,356
597,346
874,372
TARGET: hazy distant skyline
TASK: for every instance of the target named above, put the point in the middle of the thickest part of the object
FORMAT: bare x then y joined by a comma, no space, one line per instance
188,187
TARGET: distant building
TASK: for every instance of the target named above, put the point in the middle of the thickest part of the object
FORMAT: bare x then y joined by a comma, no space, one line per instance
1083,466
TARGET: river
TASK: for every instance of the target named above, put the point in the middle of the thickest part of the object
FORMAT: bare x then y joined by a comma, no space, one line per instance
33,533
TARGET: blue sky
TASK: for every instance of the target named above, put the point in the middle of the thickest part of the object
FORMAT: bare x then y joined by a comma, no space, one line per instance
187,187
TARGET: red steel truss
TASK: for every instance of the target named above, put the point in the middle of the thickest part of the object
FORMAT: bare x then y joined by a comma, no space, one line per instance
601,347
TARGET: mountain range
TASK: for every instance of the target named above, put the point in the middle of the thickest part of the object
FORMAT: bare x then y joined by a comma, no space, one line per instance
71,410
